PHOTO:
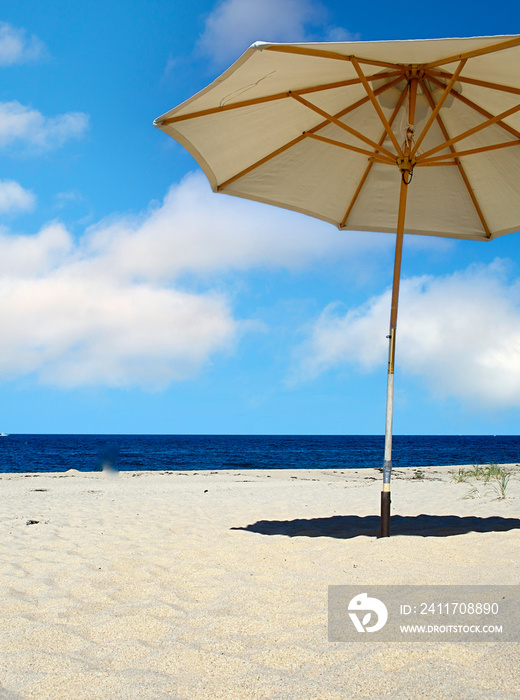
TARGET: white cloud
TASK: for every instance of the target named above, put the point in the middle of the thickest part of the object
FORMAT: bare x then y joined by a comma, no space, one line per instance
14,198
17,47
114,308
460,333
27,257
74,331
196,231
19,123
72,325
235,24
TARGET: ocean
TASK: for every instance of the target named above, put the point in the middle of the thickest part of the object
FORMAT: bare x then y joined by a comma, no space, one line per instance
58,453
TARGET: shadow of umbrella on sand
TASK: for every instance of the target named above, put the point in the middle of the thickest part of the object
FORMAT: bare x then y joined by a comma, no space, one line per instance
416,137
348,526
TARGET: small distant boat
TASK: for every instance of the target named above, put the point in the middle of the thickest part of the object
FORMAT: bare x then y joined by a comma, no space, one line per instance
3,434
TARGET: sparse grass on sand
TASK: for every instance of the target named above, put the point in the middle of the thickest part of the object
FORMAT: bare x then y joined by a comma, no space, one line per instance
494,475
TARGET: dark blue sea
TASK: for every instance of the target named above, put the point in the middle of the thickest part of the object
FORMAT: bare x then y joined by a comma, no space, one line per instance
45,453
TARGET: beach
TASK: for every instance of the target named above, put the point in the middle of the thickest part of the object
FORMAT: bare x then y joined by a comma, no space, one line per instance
201,585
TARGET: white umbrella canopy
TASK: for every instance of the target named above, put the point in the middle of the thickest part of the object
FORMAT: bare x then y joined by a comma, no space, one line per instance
293,125
417,137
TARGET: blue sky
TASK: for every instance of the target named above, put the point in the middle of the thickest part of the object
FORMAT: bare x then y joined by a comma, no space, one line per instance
133,300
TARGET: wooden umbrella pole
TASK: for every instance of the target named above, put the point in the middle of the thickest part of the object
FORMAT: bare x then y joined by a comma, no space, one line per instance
387,465
405,165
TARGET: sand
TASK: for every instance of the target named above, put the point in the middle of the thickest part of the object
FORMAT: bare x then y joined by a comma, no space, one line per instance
202,585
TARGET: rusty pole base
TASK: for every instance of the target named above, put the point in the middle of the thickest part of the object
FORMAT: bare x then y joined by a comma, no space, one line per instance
385,513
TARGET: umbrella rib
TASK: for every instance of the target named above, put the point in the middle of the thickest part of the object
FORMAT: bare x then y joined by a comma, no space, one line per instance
501,46
260,162
374,156
371,163
439,164
437,108
320,53
349,82
222,108
474,81
459,165
272,98
301,136
377,106
470,152
470,132
341,125
478,108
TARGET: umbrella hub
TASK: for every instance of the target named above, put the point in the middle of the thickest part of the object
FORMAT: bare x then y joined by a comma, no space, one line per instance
415,73
406,164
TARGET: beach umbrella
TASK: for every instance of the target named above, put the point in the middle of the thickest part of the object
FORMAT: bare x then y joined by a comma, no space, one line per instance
416,137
